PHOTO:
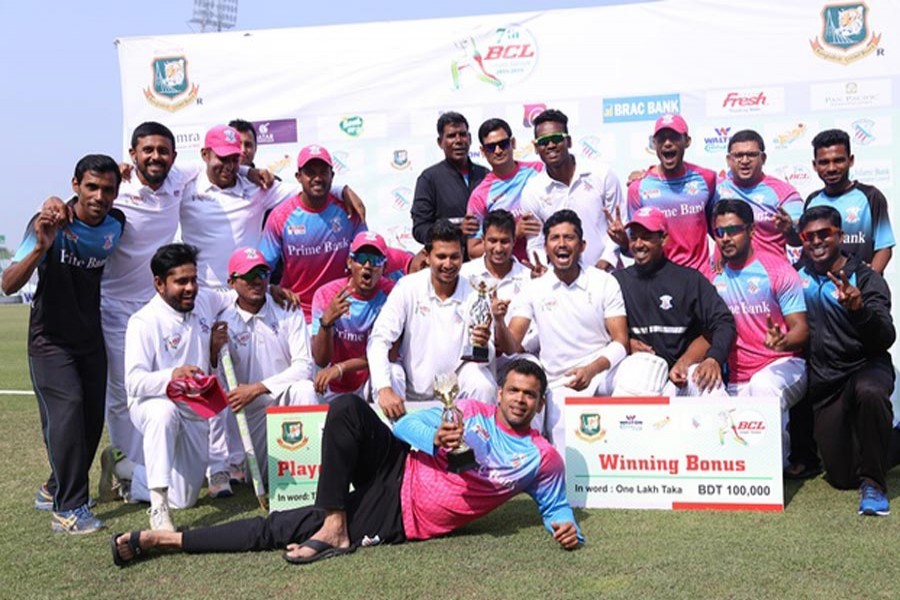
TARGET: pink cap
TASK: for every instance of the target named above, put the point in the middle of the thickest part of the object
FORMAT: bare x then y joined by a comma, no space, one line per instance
674,122
311,152
244,260
369,238
651,218
201,393
223,140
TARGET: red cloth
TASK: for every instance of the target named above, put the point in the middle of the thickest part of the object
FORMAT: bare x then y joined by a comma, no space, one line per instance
202,393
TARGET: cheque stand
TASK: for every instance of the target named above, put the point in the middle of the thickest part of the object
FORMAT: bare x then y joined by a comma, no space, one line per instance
294,453
682,453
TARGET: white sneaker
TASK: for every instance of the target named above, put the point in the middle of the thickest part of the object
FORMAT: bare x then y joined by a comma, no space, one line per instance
160,520
237,474
220,485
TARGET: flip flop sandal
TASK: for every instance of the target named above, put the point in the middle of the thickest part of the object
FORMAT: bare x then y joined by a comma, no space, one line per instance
323,550
134,542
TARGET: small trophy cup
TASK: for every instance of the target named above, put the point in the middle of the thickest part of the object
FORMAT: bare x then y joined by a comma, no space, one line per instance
446,387
479,314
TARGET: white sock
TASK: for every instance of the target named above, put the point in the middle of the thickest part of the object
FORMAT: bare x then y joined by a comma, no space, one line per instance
159,497
125,469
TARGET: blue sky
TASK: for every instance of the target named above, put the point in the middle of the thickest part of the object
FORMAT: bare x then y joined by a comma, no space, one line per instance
61,97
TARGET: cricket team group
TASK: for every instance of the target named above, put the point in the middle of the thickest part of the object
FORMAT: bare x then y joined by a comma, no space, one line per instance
155,278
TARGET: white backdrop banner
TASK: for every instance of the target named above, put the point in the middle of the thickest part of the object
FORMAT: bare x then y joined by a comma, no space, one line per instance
371,93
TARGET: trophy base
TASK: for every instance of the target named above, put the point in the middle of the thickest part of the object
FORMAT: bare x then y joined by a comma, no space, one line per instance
460,461
478,354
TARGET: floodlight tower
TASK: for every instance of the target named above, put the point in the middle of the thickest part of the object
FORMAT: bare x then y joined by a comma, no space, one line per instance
214,15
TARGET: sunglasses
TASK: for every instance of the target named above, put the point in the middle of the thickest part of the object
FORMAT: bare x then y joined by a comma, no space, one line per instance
819,234
551,138
731,230
258,272
502,144
370,258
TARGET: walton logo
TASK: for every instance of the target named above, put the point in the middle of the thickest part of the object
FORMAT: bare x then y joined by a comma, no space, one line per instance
510,56
171,88
717,142
846,36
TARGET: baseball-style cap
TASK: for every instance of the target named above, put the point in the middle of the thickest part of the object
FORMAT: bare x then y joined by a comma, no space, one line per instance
650,218
223,140
311,152
674,122
369,238
202,393
243,260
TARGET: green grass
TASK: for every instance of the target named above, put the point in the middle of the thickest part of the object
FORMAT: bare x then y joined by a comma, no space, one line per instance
819,548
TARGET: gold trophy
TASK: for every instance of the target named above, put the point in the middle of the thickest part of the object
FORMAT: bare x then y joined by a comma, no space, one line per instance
446,387
479,314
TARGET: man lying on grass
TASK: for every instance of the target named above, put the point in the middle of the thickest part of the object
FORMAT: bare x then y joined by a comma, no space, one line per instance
401,494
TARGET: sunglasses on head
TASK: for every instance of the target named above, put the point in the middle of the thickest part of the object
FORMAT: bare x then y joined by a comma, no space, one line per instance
503,144
260,272
731,230
821,234
551,138
370,258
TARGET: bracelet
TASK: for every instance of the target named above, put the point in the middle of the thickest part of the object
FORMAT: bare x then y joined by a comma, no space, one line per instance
340,370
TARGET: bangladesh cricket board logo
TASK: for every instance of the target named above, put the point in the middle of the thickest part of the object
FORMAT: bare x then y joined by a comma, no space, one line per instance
846,36
498,57
292,437
590,428
171,90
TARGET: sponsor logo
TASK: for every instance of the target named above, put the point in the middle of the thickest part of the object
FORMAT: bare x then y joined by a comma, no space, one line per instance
846,36
850,94
631,423
590,147
400,160
786,138
107,241
499,57
278,131
589,427
640,108
204,325
423,309
718,141
651,193
352,126
172,342
874,173
796,175
753,285
852,214
292,437
863,131
531,111
341,162
665,302
400,199
745,428
171,89
336,224
662,423
747,101
242,339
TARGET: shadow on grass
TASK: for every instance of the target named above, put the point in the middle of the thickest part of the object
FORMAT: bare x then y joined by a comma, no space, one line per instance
510,519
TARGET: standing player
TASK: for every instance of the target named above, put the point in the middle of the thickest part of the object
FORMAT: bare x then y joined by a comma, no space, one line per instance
311,232
580,319
684,192
270,350
863,208
765,296
65,345
502,187
443,189
344,312
592,191
428,313
776,204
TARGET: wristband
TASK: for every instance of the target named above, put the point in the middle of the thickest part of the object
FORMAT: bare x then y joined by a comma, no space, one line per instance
323,325
340,370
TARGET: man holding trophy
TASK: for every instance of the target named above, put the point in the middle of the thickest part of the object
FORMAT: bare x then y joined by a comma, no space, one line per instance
441,325
401,494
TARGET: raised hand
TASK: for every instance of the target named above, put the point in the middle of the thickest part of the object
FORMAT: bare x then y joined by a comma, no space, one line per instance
537,268
848,295
615,228
774,335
